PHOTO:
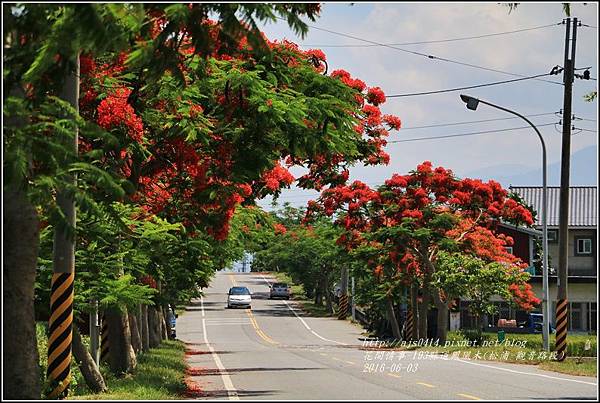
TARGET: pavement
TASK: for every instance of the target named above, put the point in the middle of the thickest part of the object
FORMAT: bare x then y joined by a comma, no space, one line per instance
273,351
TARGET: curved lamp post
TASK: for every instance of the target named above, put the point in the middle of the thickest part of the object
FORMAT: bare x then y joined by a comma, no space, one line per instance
472,104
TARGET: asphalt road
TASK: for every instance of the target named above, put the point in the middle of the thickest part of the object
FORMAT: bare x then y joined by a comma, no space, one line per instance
274,352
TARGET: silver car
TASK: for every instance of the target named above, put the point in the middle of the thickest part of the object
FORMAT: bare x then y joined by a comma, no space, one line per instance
279,290
239,296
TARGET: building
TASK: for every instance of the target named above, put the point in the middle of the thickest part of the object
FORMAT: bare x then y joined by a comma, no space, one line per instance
582,268
582,259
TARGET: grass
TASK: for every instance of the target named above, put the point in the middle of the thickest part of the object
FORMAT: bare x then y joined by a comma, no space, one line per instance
160,374
521,349
572,366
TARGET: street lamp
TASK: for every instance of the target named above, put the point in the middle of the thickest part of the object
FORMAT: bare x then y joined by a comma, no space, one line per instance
472,104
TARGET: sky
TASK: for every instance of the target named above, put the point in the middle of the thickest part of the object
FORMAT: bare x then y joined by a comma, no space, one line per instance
530,52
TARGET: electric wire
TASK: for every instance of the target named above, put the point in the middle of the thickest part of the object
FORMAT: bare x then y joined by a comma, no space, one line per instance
465,88
434,41
468,134
433,57
473,121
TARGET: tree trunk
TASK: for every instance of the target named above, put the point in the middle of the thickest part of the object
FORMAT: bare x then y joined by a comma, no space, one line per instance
328,301
136,340
392,317
89,369
121,355
415,311
21,378
163,327
442,317
153,327
144,328
318,294
423,310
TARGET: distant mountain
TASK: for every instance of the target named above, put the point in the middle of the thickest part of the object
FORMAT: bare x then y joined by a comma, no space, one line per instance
584,172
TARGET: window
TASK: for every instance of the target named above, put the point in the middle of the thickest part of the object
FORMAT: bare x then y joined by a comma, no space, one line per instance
509,249
592,317
583,246
553,235
575,316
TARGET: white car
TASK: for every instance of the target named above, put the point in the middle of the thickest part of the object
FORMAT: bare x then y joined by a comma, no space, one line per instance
239,296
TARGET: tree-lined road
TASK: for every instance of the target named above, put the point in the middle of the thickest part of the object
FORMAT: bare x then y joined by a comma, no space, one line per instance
273,351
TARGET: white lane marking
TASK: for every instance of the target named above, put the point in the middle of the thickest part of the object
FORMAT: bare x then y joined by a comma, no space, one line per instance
231,392
303,322
526,373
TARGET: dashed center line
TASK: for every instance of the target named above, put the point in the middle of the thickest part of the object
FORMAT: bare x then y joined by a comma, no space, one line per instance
426,384
394,375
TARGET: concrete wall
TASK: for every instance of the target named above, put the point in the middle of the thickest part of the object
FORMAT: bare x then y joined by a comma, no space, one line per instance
578,265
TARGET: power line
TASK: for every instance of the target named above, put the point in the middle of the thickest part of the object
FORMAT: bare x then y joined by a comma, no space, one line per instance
466,88
467,134
435,41
473,121
433,57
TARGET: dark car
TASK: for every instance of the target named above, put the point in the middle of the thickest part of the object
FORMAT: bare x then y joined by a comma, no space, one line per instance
279,290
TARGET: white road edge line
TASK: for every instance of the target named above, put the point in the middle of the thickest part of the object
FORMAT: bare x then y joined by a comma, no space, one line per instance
231,392
526,373
303,322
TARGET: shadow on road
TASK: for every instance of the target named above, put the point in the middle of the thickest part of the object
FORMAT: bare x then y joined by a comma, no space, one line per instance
223,393
229,371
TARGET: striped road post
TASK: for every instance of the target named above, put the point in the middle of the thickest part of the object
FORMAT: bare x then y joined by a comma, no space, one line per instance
561,329
104,340
408,329
343,307
61,328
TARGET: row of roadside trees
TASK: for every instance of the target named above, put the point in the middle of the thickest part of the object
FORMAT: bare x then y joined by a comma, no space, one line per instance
422,240
133,133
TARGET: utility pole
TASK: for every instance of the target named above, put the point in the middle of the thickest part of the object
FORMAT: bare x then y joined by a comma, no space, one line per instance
563,220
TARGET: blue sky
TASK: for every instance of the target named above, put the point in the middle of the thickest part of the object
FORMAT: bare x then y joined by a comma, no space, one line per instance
527,53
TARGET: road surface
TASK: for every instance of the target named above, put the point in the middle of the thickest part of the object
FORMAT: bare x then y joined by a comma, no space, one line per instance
274,352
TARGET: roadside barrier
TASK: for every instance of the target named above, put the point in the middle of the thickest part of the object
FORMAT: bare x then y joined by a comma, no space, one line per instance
61,334
104,340
561,329
343,307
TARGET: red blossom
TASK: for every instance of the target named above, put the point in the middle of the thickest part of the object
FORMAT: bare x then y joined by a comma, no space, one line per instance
375,96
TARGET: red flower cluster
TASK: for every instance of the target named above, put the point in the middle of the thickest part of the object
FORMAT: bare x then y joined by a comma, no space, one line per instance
277,177
279,228
375,96
149,281
524,296
114,111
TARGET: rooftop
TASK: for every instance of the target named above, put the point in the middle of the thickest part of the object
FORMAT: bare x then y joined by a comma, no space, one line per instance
583,204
